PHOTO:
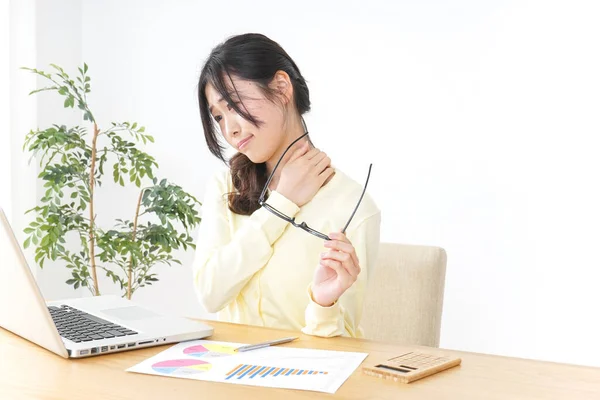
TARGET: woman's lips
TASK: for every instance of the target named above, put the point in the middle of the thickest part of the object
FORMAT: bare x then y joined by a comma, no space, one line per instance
243,143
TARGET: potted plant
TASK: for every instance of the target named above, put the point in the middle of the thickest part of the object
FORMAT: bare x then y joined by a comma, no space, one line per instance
73,162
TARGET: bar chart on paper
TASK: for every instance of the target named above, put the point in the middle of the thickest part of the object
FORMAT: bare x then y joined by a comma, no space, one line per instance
276,367
257,371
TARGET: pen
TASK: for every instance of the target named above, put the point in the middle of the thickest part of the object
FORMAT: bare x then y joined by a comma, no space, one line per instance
265,344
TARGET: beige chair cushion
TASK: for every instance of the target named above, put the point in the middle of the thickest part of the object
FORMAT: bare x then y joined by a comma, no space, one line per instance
405,295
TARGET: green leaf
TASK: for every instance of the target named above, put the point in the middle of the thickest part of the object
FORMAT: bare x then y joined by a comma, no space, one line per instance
43,90
45,241
27,242
85,67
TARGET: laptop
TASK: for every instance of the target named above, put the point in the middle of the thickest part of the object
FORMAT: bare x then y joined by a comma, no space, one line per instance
80,327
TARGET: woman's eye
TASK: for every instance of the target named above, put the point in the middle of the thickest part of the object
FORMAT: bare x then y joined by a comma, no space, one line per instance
230,105
218,118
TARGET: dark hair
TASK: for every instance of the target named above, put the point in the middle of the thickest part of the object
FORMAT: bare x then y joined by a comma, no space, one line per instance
256,58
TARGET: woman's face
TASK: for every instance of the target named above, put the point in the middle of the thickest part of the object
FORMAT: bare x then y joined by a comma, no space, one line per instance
260,143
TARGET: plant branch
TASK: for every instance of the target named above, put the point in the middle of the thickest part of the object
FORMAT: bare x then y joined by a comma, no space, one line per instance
92,230
128,252
73,88
135,222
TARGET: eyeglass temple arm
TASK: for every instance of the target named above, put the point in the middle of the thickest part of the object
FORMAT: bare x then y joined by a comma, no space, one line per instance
359,200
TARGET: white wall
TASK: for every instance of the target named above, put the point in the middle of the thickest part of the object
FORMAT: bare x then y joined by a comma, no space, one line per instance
480,118
5,174
22,112
61,44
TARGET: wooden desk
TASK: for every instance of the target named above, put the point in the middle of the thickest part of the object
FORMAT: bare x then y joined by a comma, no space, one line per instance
30,372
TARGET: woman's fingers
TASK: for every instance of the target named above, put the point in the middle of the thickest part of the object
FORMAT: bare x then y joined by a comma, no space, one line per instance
302,150
335,265
322,162
335,244
311,154
340,245
339,236
326,174
345,259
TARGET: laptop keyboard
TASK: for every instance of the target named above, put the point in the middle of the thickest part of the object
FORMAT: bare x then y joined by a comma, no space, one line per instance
79,326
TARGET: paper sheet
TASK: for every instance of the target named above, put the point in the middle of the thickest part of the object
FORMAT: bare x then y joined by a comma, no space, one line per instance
277,367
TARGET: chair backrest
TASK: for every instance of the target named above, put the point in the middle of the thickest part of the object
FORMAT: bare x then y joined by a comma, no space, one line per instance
405,295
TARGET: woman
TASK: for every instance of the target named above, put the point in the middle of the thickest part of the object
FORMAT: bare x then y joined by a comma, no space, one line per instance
253,264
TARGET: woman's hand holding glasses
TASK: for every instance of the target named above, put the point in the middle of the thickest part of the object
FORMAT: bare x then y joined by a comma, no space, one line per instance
337,271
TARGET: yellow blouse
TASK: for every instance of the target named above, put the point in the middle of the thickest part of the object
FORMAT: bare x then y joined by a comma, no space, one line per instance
256,269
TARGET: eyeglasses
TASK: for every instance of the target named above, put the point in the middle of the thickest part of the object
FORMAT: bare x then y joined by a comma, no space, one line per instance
291,220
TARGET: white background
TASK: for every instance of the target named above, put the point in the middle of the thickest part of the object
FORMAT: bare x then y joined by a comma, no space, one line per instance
5,170
481,119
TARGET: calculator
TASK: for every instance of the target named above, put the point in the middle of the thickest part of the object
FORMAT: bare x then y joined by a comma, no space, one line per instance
411,366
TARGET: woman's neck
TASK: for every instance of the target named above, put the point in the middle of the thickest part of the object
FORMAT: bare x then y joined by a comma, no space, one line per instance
293,132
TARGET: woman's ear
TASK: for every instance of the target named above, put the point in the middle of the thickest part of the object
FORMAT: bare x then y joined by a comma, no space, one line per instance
282,85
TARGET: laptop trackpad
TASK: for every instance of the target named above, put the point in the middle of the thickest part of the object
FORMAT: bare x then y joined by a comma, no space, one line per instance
130,313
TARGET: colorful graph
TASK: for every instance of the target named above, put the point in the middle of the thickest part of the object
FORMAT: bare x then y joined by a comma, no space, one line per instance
209,350
259,371
181,367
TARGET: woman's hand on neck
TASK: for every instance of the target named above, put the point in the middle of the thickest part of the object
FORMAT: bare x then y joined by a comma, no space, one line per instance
292,133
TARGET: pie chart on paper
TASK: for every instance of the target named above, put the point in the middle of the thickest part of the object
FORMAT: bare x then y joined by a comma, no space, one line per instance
209,350
181,367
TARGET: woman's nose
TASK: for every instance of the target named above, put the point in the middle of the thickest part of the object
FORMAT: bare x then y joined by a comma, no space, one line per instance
232,128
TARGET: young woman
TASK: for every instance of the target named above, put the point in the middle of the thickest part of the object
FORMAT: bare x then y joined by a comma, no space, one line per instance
255,264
